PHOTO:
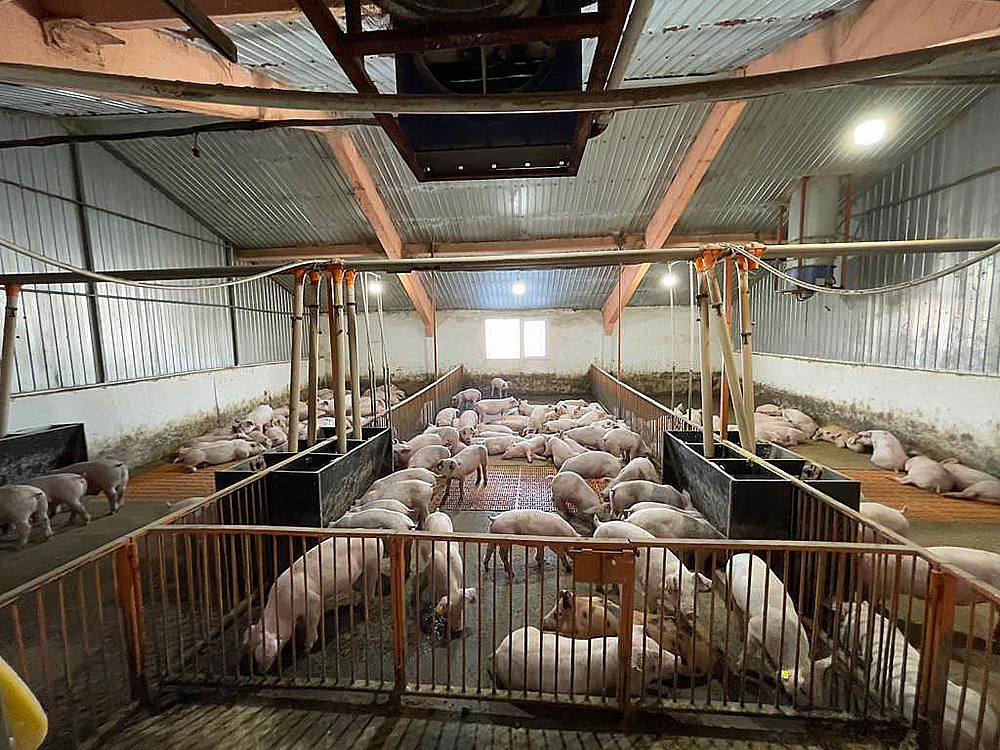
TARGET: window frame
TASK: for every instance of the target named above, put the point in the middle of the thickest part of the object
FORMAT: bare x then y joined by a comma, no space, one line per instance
545,338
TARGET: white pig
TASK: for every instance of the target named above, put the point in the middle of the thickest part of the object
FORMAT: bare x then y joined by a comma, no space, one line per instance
424,475
413,493
987,491
496,444
467,419
560,451
471,460
469,396
449,436
443,573
527,522
622,442
593,464
306,590
965,475
374,518
64,489
22,504
559,425
445,417
927,474
520,449
569,488
627,494
255,420
591,436
887,451
499,387
498,429
892,519
637,468
428,457
385,504
103,475
801,421
495,406
670,523
569,404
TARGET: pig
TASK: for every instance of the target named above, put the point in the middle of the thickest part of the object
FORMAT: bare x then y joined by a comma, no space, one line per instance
468,461
528,659
801,421
965,475
413,493
661,579
887,451
424,475
520,449
220,452
772,622
987,491
590,436
575,446
276,435
637,468
20,506
593,464
385,504
449,436
769,409
467,419
538,444
468,397
779,433
569,488
444,573
321,579
515,422
626,494
670,523
524,408
411,446
374,518
569,404
979,563
539,416
834,433
559,425
560,451
255,420
103,475
500,429
499,388
591,417
428,457
495,445
446,417
495,406
64,489
892,519
527,522
622,442
927,474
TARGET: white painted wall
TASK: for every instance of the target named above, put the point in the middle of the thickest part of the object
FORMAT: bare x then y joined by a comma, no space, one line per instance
139,419
574,340
938,412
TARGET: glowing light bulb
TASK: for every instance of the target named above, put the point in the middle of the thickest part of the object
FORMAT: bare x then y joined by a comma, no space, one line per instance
375,287
518,288
668,279
868,132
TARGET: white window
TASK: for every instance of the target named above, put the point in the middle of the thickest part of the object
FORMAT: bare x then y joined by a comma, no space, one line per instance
503,338
513,338
534,338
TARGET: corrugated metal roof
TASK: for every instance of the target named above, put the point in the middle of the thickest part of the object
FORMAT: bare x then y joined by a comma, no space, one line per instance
781,138
622,178
66,103
261,189
576,288
652,291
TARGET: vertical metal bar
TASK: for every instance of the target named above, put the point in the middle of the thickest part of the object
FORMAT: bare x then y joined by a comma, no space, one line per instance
725,385
618,362
434,316
337,332
746,349
707,408
352,353
7,355
313,376
936,653
294,379
729,370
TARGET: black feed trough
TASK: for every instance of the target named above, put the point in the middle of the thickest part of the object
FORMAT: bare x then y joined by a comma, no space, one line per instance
26,454
740,498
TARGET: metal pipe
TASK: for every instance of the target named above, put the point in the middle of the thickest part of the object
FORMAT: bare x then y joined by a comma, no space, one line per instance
673,346
337,332
315,278
805,79
293,380
708,438
732,376
584,259
691,325
352,352
7,356
727,296
746,335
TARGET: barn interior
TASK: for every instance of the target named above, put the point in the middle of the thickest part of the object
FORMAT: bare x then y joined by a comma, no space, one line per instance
260,256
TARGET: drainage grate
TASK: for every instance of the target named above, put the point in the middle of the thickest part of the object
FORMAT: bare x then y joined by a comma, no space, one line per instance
510,486
921,505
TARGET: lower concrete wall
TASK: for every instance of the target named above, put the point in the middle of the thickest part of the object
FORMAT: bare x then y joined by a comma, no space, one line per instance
145,420
941,414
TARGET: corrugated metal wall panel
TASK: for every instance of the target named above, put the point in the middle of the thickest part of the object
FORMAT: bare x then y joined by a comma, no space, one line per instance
263,336
947,188
144,337
54,348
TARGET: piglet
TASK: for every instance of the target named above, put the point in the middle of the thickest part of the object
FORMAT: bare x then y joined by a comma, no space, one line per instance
622,442
103,475
424,475
445,417
499,387
965,475
637,468
520,449
22,504
443,573
987,491
428,457
892,519
469,396
495,406
887,451
374,518
593,464
627,494
570,489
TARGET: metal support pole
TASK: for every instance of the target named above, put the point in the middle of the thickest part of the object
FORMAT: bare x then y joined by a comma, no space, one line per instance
673,347
339,387
746,336
434,322
7,356
708,438
352,352
293,380
618,363
729,359
727,295
315,278
692,282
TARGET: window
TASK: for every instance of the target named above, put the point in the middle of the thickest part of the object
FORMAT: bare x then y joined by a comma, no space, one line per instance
513,338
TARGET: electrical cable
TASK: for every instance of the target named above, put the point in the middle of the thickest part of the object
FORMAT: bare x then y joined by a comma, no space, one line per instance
740,250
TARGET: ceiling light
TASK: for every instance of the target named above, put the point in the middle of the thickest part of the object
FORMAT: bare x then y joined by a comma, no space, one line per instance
375,287
527,163
493,166
668,279
461,167
518,288
868,132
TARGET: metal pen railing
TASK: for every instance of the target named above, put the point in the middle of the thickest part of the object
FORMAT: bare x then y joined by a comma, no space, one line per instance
411,415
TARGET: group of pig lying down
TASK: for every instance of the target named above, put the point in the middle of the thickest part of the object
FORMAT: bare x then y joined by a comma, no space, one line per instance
266,427
670,640
788,427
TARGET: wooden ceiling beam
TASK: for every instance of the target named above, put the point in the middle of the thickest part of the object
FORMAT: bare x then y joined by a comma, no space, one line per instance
157,14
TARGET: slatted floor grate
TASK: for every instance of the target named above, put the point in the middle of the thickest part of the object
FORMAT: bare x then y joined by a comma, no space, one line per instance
921,505
510,486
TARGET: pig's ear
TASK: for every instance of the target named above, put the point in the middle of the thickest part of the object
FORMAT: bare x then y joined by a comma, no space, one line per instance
567,599
703,583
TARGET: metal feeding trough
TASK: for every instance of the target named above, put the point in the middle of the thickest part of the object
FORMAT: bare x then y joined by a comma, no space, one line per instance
40,450
744,500
318,487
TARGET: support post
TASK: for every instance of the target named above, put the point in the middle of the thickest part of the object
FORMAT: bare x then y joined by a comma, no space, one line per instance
313,387
296,363
729,360
707,416
434,324
746,346
939,620
352,352
692,282
337,331
126,565
397,593
618,362
727,296
7,356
